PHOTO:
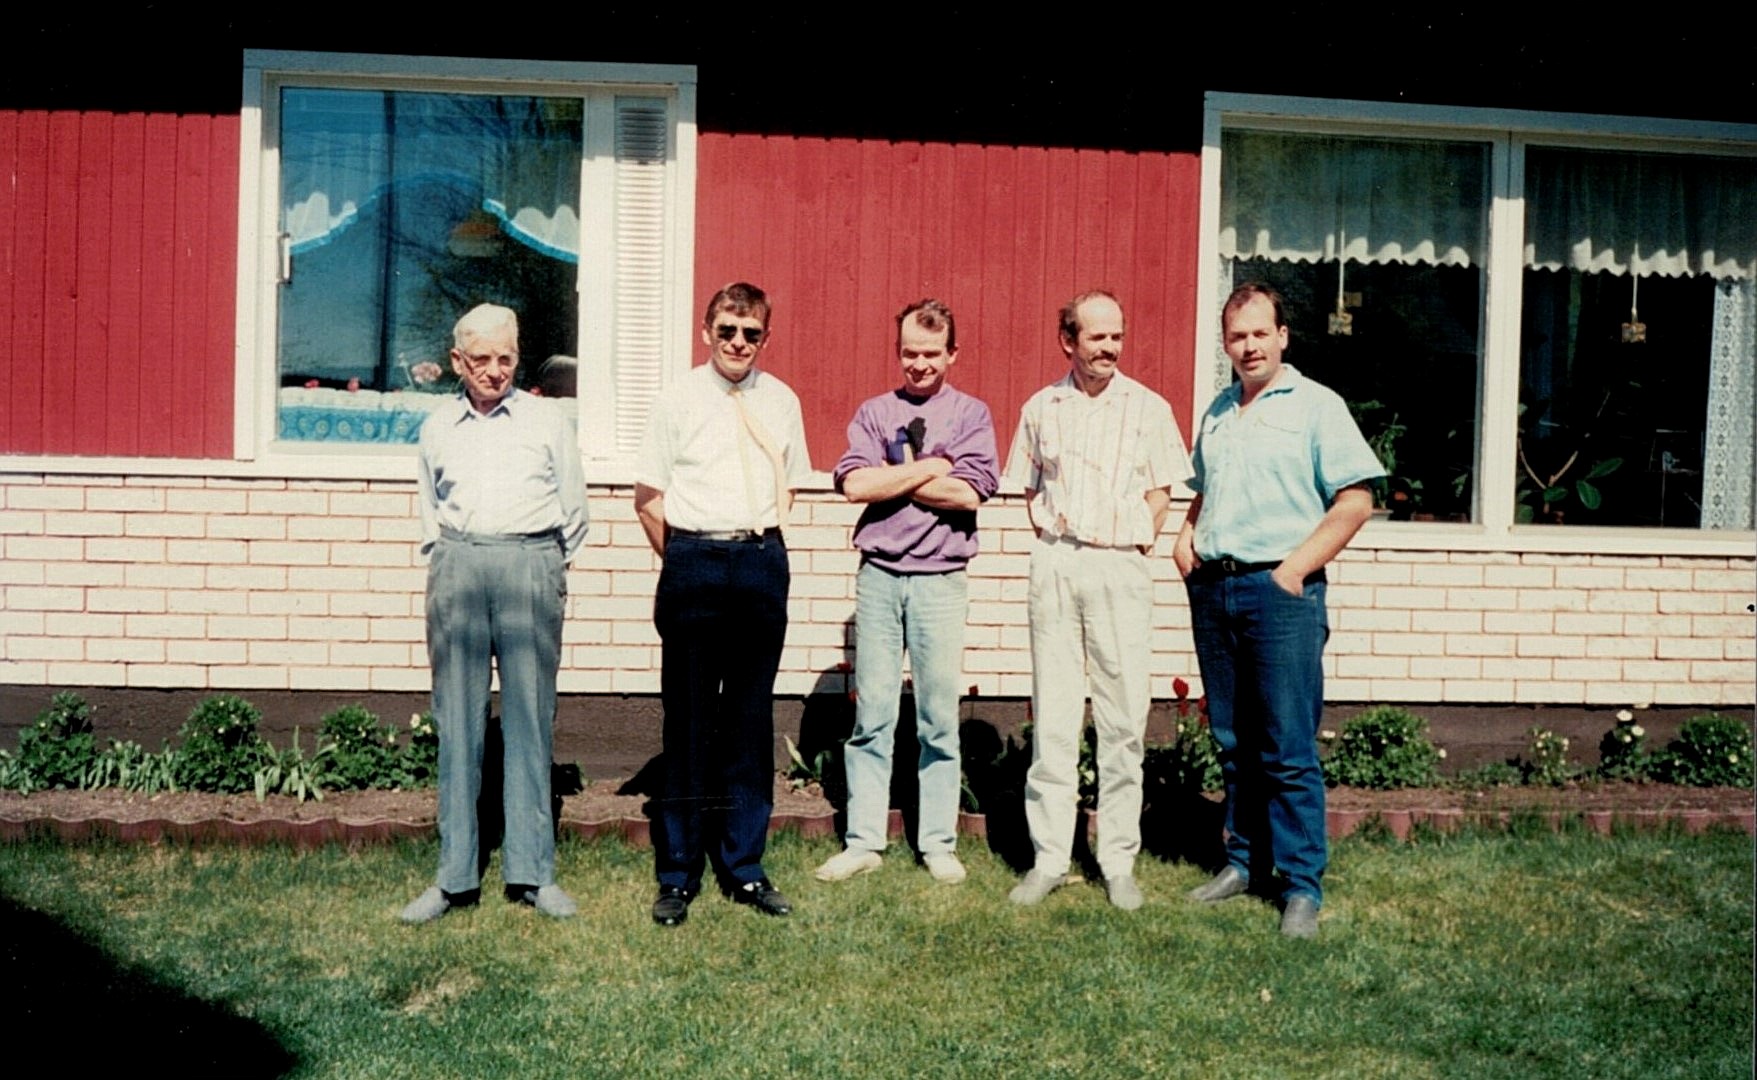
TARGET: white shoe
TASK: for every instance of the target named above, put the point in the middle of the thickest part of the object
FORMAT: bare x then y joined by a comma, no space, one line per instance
1036,886
945,867
847,863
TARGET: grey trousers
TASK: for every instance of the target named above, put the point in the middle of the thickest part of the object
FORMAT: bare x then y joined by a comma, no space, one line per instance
495,600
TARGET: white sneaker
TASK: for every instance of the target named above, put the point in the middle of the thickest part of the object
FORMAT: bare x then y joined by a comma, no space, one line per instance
1036,886
945,867
847,863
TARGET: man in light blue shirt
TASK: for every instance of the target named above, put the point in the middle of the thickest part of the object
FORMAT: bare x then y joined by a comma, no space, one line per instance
503,508
1281,488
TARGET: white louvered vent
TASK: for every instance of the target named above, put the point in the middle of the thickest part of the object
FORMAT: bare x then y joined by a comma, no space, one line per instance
642,129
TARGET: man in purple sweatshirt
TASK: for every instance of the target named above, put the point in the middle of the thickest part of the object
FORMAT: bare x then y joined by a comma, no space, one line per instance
922,459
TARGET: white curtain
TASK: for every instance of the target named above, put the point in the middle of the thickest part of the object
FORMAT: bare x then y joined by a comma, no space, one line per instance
1658,214
1303,198
1727,496
518,157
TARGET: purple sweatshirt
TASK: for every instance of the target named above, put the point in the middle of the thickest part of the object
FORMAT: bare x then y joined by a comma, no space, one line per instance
901,534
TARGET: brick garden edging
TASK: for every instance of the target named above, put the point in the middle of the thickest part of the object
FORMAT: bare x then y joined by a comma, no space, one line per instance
306,835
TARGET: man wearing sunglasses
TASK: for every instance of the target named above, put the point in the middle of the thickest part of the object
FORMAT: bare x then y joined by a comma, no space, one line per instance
1097,454
723,450
503,508
922,459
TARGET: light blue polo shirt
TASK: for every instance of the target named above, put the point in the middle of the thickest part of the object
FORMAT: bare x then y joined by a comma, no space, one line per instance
1267,475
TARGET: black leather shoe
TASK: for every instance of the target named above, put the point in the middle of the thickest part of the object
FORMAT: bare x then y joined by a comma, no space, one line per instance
672,907
764,897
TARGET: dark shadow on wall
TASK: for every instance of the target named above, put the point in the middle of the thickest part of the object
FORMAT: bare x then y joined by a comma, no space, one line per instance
98,1015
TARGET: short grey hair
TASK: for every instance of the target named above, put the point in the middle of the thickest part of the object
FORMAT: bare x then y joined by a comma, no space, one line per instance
484,320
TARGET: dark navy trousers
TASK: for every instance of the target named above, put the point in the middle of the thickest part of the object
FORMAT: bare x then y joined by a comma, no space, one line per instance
721,612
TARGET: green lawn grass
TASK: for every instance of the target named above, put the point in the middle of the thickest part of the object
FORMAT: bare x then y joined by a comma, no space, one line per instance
1483,955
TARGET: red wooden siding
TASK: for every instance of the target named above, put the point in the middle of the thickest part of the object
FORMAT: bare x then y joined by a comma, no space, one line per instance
118,247
843,232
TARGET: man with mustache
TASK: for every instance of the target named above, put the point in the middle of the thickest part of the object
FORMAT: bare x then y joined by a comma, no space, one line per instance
1097,454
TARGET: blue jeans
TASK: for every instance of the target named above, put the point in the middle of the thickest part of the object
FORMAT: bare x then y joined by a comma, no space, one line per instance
925,614
495,600
1260,650
721,611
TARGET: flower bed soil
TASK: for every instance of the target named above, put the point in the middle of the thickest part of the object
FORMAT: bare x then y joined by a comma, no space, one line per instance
376,816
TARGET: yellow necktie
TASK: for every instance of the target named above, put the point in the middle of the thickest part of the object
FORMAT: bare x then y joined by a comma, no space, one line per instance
766,444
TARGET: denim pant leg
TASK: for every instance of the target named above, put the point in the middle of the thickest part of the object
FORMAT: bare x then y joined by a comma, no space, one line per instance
878,684
459,649
933,623
1287,637
530,592
1218,659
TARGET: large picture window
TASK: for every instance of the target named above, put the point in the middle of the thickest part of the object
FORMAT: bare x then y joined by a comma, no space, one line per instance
1534,327
391,203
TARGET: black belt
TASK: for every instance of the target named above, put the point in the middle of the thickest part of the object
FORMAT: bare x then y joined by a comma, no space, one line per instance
728,536
1227,566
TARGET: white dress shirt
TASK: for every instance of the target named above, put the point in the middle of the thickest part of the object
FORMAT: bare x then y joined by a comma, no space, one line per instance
697,451
514,471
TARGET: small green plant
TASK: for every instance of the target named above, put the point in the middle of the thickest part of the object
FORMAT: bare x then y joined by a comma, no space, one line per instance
221,749
290,772
130,766
802,774
1490,774
57,750
1711,750
420,755
1385,747
1192,763
1546,759
1623,753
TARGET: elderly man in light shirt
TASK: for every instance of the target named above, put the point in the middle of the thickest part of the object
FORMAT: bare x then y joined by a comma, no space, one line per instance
503,508
1097,454
723,450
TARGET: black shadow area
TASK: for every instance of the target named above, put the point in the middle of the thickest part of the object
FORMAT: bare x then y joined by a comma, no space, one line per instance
94,1013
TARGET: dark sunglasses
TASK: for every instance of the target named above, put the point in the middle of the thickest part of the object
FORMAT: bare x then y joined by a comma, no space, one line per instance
752,334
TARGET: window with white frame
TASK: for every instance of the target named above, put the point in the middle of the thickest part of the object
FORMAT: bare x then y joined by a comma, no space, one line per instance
386,196
1536,319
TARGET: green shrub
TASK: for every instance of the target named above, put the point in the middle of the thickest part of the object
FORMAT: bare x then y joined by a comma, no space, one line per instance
1385,747
1546,759
1623,751
1192,763
361,752
221,750
1710,751
420,756
57,750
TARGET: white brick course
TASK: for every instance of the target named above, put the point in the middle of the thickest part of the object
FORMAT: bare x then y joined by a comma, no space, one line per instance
244,583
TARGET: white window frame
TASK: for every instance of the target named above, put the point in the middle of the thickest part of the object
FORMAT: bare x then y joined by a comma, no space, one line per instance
1508,132
256,450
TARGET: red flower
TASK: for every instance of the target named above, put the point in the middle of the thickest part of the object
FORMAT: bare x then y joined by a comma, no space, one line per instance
1180,688
310,384
353,386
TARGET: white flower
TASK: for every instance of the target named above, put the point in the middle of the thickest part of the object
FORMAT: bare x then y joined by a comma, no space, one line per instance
1637,731
1624,716
1564,744
1442,752
1326,735
415,720
1734,758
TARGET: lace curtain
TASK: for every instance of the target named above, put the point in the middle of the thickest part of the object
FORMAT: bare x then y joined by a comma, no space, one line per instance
1727,501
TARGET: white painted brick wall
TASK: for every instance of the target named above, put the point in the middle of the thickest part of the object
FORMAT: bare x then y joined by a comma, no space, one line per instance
241,584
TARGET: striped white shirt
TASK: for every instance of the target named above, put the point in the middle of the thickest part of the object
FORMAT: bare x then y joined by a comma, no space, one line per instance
1090,461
